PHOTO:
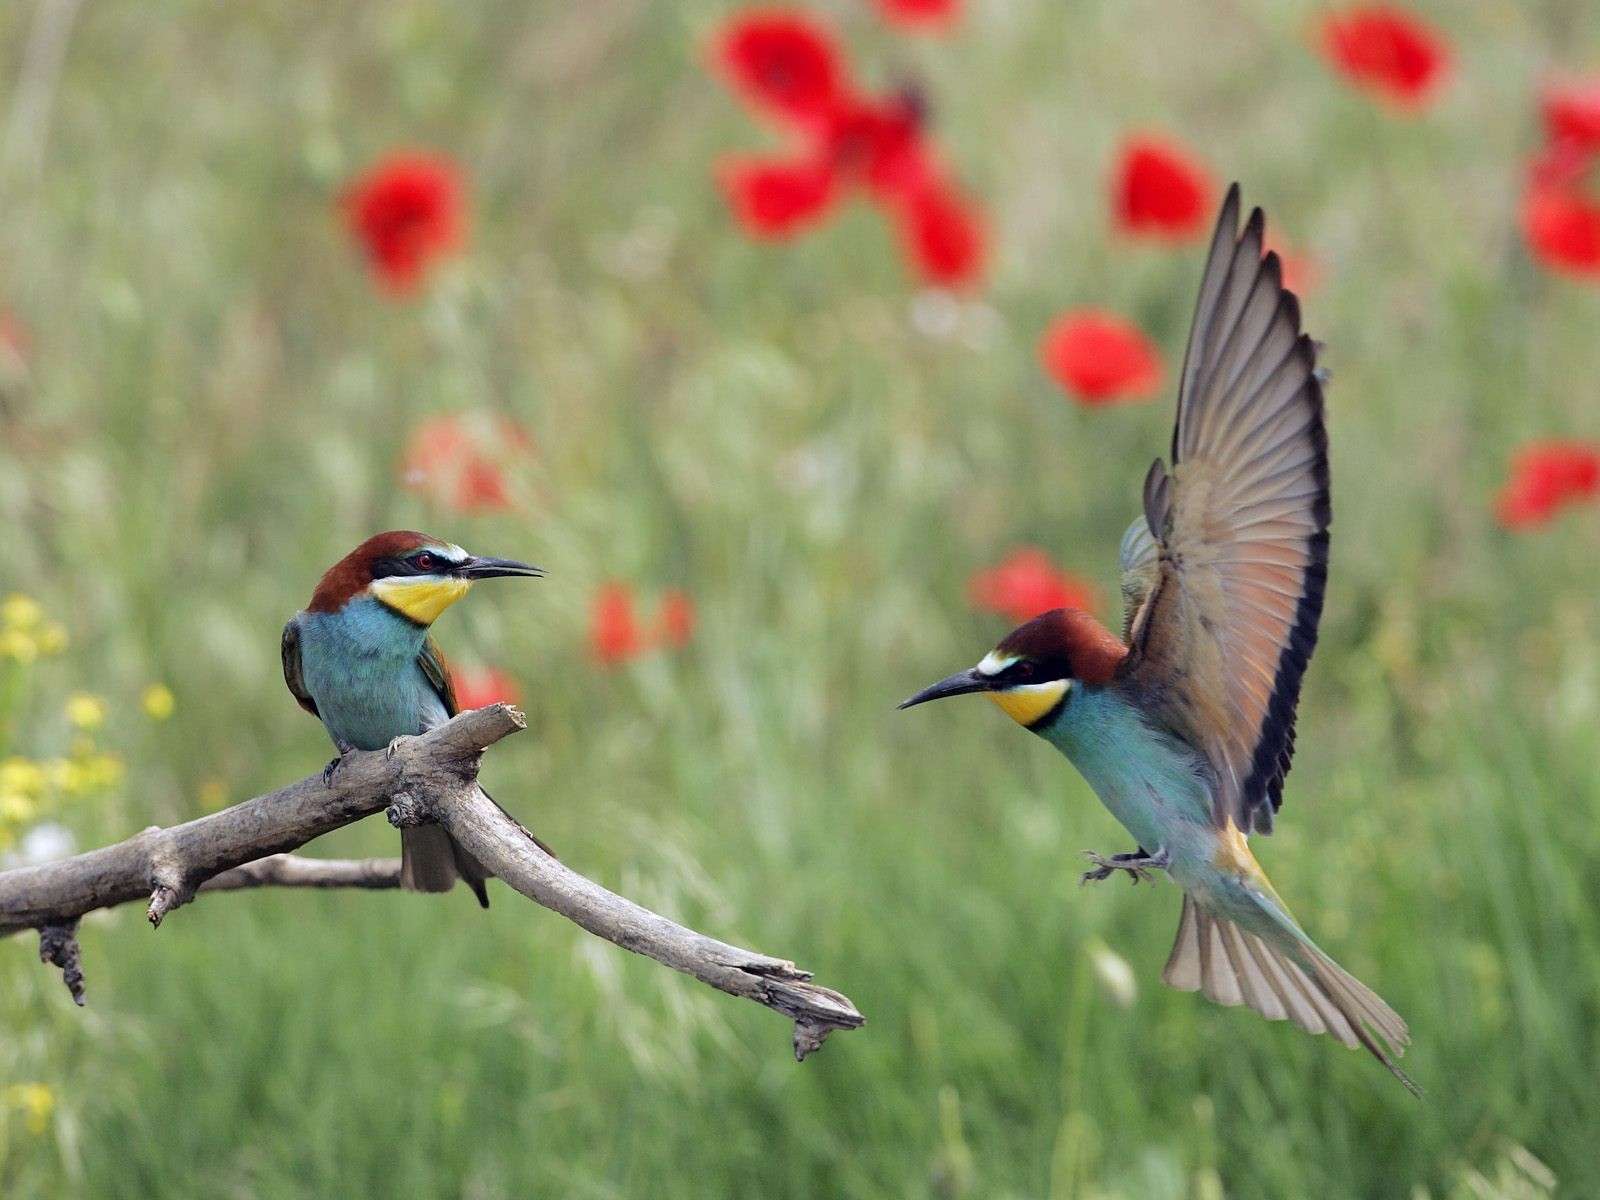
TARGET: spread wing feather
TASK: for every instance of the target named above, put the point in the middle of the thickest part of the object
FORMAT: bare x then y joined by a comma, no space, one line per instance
1222,623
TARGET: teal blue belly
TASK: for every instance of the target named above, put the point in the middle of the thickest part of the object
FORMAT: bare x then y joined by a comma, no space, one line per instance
360,666
1153,783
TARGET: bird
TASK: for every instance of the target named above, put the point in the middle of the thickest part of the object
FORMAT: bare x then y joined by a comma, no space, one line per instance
1184,726
360,657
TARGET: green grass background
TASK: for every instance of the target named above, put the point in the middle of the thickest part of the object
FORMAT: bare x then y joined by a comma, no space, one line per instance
215,405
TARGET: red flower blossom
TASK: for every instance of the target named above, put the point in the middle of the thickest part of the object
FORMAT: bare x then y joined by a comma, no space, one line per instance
920,15
1026,584
677,619
479,687
880,144
1100,358
1386,52
1572,114
461,461
1160,190
614,633
1562,226
406,211
1545,477
942,235
783,63
777,199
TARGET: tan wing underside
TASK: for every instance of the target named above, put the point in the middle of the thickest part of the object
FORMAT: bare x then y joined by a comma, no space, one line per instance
1226,630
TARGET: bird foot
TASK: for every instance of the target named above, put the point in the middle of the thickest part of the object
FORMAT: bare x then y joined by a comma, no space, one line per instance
1138,865
333,763
394,744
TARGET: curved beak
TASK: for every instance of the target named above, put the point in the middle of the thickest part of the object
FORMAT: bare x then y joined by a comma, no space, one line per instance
493,568
957,685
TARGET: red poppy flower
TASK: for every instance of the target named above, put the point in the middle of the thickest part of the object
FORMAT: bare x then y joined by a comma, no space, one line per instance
1563,163
614,633
1572,114
880,143
1386,52
677,619
462,461
942,236
1160,190
1026,584
776,199
479,687
1562,226
783,63
1545,477
920,15
1100,358
407,212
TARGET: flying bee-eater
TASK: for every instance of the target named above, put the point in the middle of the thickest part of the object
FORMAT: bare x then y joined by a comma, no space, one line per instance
1184,726
361,659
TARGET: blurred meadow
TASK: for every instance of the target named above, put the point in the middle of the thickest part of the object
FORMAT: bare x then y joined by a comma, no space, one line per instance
206,398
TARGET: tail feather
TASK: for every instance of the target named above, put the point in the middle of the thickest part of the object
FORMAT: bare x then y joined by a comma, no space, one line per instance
431,860
1230,965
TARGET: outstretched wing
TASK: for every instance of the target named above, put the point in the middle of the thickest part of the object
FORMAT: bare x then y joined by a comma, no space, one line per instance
1140,560
431,660
291,666
1222,639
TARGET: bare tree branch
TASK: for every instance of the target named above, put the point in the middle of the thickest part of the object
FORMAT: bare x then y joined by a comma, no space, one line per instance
428,778
293,871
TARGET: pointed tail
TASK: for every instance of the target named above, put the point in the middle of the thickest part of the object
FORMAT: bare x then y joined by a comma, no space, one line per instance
431,860
1283,976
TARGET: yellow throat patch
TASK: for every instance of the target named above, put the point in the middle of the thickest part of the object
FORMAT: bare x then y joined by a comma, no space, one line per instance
1028,702
420,597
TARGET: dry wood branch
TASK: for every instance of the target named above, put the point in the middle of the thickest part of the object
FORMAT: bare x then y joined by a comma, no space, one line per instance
290,870
432,777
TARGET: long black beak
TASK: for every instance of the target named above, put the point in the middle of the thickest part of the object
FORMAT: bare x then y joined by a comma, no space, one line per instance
493,568
957,685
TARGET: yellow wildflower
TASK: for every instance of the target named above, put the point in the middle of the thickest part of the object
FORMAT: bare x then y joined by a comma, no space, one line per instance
20,612
157,702
51,638
86,711
15,808
14,643
103,771
21,775
35,1101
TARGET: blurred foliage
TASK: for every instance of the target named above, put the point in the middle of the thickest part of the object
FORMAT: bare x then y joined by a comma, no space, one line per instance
213,406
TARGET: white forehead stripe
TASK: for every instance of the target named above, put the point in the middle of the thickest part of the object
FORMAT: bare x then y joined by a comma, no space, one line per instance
994,662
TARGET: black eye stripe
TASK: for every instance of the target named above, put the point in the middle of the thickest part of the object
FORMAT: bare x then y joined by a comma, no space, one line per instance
385,568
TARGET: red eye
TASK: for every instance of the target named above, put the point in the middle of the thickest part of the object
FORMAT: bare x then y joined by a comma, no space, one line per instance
1022,671
427,561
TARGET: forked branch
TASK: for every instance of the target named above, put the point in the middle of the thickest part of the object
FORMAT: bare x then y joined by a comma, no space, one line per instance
432,777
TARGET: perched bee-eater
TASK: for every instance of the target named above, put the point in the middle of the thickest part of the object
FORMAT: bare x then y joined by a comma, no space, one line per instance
360,659
1184,726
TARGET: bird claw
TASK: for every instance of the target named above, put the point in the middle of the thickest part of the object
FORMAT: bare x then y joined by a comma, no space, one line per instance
333,763
1138,865
394,744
